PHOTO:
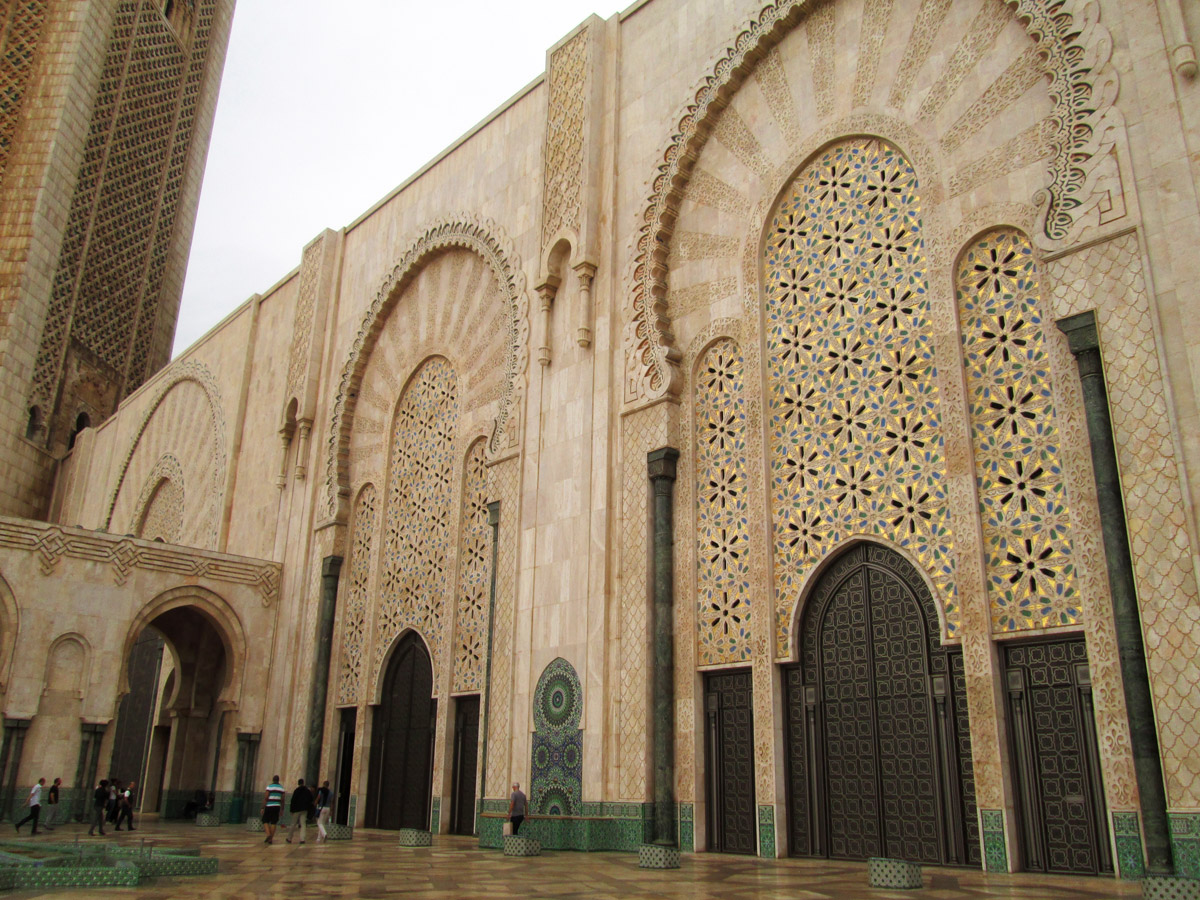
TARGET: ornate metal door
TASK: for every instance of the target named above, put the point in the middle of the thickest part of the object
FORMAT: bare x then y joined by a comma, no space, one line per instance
878,744
1060,802
402,741
729,743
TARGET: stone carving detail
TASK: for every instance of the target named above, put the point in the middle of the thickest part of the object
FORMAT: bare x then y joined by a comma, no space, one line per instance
474,575
53,542
556,767
1072,47
358,594
120,231
159,511
504,483
185,420
563,190
1027,527
722,530
302,328
18,44
855,430
510,332
414,575
1108,277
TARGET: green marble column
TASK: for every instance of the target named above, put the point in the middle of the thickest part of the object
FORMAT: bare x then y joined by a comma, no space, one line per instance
661,466
1084,342
494,524
331,569
90,735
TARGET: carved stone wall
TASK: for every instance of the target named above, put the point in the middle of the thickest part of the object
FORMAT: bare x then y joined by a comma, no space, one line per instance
474,575
20,32
357,602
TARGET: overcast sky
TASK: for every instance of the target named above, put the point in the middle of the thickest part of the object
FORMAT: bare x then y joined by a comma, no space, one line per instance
326,107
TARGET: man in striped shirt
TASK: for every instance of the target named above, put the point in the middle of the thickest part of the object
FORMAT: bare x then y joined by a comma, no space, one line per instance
272,806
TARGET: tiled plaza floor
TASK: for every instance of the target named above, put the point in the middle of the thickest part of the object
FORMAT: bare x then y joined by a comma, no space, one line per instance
373,866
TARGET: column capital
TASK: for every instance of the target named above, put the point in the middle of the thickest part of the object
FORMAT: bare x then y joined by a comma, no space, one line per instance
331,566
1080,329
660,463
493,509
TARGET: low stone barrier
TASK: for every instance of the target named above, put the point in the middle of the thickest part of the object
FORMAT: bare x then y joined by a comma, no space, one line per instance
208,820
1161,887
340,832
893,873
415,837
656,856
518,845
254,823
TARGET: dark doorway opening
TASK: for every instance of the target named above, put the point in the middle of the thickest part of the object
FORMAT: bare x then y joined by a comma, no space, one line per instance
729,759
345,766
466,757
1056,758
401,773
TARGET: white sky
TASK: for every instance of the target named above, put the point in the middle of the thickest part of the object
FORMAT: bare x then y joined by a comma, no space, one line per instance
326,107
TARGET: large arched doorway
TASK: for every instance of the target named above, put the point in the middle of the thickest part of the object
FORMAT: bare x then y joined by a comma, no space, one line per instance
879,760
171,722
402,733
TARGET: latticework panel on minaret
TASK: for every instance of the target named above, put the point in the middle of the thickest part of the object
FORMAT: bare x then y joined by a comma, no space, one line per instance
111,270
722,535
416,540
354,614
474,574
855,426
1014,433
22,29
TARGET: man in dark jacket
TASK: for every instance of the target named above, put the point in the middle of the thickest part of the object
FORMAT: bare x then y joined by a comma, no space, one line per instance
99,802
301,805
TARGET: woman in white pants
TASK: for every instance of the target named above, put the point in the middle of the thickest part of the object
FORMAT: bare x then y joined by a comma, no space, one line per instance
323,798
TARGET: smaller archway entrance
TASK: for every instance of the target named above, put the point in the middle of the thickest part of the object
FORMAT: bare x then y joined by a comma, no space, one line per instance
402,734
170,723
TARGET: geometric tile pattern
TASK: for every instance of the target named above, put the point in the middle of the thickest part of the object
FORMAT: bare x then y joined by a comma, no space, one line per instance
995,851
766,831
1015,436
354,615
416,540
17,47
1127,833
855,427
722,533
505,484
1185,843
556,772
474,574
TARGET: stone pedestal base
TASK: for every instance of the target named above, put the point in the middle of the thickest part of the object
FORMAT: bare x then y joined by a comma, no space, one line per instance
208,820
1159,887
893,873
415,837
517,845
656,856
254,823
341,833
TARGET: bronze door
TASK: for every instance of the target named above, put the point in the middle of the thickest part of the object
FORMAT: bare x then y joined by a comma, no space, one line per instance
878,744
1060,801
402,741
729,755
466,755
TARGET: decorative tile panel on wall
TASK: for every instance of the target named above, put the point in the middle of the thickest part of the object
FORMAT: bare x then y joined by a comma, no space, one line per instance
995,852
563,189
474,574
18,44
1014,433
417,550
1127,833
855,425
556,771
722,529
357,600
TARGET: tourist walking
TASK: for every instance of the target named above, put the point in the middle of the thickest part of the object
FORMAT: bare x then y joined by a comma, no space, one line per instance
99,802
52,802
301,805
324,799
34,802
125,806
114,788
272,806
516,807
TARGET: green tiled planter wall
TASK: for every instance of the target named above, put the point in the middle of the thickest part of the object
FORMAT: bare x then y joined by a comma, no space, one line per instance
603,826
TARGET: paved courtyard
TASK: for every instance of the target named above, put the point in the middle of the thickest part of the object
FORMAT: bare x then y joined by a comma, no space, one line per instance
372,865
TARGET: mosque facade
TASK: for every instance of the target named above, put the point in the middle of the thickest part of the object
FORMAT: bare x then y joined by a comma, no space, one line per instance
772,431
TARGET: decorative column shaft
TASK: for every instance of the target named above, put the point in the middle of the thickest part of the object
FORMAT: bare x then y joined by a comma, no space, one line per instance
583,334
493,509
302,450
10,759
331,568
90,735
661,465
546,292
1084,341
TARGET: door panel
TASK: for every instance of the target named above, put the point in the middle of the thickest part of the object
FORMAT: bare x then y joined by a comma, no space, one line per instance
732,824
466,755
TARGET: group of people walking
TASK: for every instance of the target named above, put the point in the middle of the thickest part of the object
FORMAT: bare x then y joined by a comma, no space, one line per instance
305,801
112,802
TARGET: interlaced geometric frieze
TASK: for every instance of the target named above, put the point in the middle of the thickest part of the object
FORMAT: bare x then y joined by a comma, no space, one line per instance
414,569
22,29
855,429
112,267
354,622
722,532
1014,432
474,575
